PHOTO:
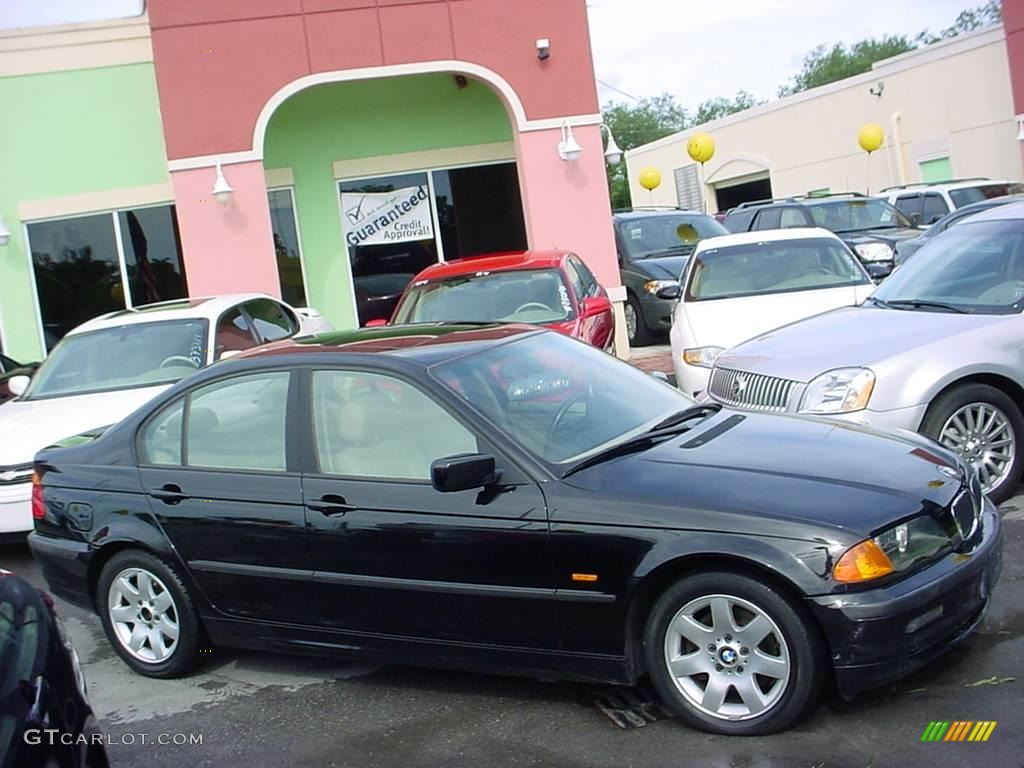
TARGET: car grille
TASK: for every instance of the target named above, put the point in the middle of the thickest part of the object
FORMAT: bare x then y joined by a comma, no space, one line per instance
20,473
752,391
966,510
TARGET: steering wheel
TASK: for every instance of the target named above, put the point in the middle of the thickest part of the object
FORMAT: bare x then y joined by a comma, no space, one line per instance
531,305
563,410
167,361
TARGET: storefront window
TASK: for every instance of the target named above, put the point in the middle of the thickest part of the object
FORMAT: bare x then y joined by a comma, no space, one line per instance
286,247
82,264
393,232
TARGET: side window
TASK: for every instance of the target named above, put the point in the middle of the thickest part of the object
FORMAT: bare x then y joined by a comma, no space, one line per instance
576,279
238,423
767,218
590,284
934,208
161,439
738,220
233,333
271,320
908,204
792,217
371,426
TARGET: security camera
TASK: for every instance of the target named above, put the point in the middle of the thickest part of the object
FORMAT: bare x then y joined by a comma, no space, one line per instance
543,48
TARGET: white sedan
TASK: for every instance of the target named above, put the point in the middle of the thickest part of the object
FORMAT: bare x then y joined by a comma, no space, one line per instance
739,286
107,367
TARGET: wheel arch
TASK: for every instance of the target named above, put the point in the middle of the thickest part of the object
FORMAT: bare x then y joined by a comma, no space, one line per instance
1005,384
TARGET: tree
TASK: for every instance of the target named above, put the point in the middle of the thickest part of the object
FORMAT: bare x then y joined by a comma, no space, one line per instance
634,124
827,64
720,106
968,21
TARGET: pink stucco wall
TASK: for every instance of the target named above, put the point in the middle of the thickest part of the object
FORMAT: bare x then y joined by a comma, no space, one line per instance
226,248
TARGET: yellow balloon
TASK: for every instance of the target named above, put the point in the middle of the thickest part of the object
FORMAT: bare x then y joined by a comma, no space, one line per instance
701,147
650,178
687,233
871,137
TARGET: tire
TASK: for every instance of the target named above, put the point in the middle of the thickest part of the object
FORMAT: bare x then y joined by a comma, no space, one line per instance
941,424
150,650
641,334
792,647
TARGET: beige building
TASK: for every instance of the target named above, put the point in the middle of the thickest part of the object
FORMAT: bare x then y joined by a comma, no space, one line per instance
947,111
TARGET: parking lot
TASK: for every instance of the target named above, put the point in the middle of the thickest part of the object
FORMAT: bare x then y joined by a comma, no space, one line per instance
266,710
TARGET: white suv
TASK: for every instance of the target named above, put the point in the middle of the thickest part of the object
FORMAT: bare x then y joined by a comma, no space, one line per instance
927,202
107,367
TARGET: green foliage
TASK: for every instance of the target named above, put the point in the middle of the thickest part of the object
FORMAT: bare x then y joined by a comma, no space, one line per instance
827,64
718,107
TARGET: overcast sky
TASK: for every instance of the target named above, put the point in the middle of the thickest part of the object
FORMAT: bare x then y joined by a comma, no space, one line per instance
694,49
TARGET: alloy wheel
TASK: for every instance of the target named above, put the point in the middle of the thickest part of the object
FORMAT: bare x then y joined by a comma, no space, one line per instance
143,615
983,436
631,320
727,657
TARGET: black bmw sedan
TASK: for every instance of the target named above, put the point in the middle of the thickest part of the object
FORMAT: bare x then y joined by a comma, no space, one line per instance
508,499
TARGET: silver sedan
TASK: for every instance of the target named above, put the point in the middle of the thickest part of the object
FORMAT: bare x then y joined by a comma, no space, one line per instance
938,349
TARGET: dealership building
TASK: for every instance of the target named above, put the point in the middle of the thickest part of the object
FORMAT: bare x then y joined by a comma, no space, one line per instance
323,151
951,109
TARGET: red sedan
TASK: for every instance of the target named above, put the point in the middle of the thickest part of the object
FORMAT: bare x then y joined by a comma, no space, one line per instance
550,288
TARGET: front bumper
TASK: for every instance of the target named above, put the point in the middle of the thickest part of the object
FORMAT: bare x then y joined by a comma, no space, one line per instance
65,566
882,634
15,510
657,313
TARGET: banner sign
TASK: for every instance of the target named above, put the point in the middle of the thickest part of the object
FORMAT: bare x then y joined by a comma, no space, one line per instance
387,217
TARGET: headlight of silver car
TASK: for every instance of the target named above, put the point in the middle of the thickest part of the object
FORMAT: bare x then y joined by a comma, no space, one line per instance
912,542
843,390
703,357
874,251
653,286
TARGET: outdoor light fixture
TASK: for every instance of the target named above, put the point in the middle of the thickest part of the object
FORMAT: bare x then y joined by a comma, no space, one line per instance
543,49
568,148
221,189
612,153
5,233
1020,123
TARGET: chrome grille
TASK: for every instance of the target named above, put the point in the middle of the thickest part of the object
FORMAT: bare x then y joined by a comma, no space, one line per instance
20,473
751,391
966,508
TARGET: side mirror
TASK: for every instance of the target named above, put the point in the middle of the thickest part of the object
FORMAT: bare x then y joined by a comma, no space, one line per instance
669,292
376,323
463,472
17,385
879,271
596,305
915,219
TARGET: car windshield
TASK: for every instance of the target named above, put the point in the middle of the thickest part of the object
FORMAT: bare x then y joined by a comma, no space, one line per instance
522,296
967,195
559,398
977,267
765,267
666,234
135,355
857,214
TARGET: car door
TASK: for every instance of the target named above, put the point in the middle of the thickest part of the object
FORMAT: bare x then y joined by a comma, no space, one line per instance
224,483
596,318
394,556
933,208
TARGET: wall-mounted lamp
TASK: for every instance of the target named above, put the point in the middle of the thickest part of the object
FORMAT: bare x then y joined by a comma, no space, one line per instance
877,89
568,148
612,153
1020,124
5,233
543,49
221,189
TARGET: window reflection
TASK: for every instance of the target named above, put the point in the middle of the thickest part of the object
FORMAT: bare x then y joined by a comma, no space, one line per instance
286,247
152,254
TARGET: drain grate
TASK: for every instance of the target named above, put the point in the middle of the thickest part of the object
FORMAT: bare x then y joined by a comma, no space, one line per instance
630,708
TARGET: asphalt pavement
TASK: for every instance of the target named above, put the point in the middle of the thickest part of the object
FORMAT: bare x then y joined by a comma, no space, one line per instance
257,710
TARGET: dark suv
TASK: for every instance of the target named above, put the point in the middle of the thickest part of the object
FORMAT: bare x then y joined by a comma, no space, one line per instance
869,225
653,246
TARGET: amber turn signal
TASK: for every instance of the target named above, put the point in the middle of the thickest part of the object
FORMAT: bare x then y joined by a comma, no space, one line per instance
864,562
590,577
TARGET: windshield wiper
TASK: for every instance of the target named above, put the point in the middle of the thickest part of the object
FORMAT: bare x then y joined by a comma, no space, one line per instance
918,303
878,302
674,250
670,426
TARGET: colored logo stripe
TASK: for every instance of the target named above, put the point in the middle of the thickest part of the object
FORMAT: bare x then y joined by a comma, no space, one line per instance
958,730
982,730
935,730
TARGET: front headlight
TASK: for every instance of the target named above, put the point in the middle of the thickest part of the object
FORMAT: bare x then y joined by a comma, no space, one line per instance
843,390
702,356
895,550
653,286
874,251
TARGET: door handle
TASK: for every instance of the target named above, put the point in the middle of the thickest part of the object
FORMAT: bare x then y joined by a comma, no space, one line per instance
331,505
169,493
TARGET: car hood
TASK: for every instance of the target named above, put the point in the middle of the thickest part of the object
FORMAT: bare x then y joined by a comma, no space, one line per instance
663,267
28,426
851,336
890,236
746,472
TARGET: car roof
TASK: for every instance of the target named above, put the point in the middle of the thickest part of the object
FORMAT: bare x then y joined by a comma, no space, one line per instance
495,262
202,307
940,185
1010,212
423,343
763,235
644,213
